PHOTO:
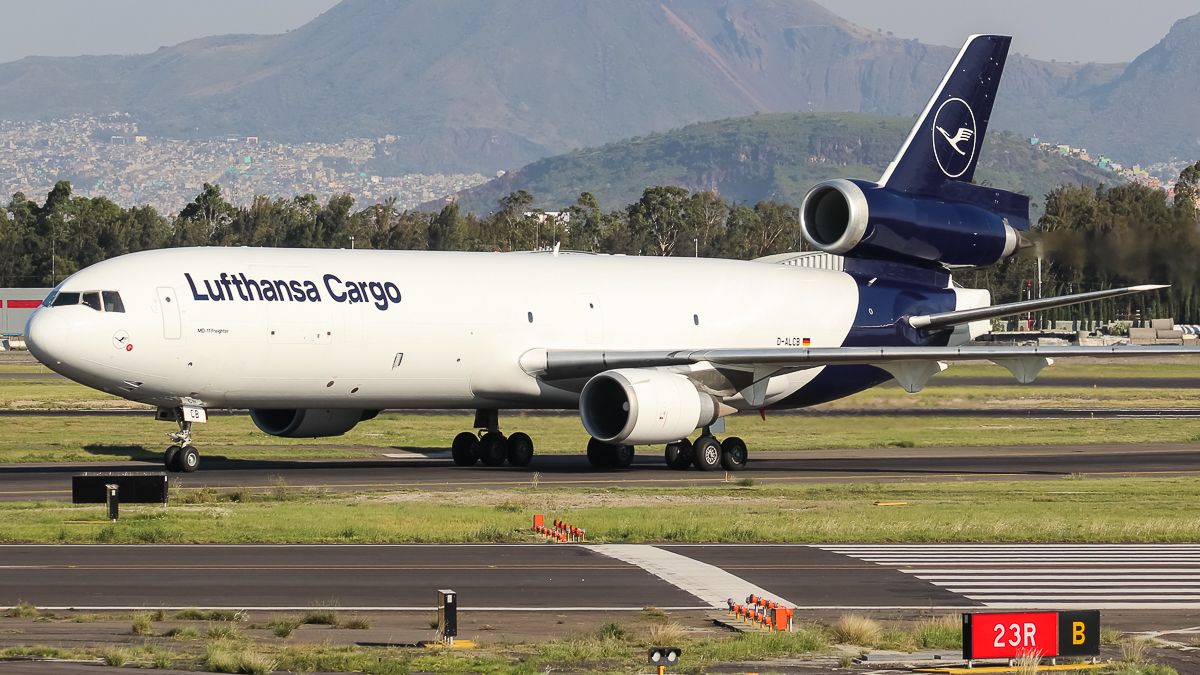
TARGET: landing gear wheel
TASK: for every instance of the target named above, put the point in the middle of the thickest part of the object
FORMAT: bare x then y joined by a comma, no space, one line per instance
465,449
491,449
171,458
519,449
188,459
679,455
734,454
622,456
600,454
707,453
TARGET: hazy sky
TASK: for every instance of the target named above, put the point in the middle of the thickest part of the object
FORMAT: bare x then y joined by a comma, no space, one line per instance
1067,30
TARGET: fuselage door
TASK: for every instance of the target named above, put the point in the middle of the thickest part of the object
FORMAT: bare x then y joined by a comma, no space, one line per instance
169,304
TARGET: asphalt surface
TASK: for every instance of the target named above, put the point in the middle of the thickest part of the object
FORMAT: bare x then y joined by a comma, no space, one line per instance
27,482
570,577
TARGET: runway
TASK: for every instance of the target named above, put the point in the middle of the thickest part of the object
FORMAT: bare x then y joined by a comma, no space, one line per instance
413,471
570,577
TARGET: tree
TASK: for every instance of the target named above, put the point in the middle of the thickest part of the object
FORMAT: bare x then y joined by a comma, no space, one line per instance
1187,190
661,218
205,221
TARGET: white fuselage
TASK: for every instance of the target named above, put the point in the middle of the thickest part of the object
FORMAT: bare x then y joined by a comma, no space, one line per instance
454,339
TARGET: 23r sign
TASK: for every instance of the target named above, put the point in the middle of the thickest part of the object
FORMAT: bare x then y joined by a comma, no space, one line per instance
1046,634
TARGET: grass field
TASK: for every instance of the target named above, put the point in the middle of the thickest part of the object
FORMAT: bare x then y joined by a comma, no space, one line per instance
48,439
52,439
1068,510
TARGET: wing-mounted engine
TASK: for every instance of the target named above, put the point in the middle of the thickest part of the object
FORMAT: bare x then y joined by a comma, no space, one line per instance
638,406
308,422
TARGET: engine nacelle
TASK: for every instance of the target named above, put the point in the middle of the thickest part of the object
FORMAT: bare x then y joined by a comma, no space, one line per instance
966,225
308,422
635,406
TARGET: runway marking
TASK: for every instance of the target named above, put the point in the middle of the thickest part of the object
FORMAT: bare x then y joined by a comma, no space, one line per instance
707,582
74,566
1063,576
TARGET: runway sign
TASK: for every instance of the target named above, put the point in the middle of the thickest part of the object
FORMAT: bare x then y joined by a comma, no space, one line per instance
1046,634
133,487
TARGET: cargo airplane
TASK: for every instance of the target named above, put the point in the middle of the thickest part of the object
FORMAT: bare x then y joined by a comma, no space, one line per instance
314,342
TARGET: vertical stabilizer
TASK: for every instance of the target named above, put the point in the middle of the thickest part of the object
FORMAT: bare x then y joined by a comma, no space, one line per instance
944,144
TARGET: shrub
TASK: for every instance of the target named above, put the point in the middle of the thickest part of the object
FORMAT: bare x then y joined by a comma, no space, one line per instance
853,629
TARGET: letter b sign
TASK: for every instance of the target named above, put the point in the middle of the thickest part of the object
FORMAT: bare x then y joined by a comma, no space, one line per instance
1079,633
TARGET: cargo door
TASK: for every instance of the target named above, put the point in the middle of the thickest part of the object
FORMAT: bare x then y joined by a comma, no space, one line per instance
169,305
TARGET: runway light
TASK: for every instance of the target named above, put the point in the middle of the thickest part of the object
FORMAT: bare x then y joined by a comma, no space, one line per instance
663,657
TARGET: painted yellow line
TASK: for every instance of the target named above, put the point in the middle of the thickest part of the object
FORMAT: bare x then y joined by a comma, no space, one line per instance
1006,669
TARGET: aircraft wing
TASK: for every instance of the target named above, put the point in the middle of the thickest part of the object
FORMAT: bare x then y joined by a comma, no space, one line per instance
911,366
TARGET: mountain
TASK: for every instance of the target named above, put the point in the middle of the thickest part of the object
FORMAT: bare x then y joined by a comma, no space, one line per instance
749,159
471,85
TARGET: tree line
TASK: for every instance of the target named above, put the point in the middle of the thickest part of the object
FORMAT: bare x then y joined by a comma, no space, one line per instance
1090,238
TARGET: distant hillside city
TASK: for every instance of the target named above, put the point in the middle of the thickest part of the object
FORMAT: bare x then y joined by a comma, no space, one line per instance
108,156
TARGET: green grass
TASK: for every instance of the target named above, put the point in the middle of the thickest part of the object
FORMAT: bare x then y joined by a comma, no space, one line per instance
1074,509
43,439
209,615
103,439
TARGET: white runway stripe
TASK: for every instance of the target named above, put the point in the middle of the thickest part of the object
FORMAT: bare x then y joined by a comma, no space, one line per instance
1050,576
707,582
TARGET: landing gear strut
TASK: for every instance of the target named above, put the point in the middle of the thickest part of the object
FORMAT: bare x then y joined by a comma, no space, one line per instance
490,447
707,454
182,456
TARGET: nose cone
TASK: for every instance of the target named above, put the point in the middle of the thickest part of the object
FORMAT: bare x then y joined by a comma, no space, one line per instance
47,337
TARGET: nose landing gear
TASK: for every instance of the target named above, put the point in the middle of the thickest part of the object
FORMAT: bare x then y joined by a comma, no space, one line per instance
182,456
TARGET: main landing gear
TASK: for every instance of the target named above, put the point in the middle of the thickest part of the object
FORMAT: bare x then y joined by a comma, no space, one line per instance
490,447
603,455
707,454
182,456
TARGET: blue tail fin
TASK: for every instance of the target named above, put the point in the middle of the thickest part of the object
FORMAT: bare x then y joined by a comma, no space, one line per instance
944,145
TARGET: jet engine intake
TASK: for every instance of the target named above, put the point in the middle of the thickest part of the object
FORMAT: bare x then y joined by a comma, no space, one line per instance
308,422
965,225
642,406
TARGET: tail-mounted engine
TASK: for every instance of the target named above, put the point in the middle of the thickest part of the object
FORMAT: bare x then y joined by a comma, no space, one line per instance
965,225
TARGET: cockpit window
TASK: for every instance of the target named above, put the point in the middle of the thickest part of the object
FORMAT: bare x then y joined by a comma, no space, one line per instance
92,300
66,299
112,301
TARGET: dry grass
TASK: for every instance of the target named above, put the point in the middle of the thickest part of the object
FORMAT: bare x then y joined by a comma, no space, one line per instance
23,610
854,629
1027,664
668,634
1134,650
142,624
223,659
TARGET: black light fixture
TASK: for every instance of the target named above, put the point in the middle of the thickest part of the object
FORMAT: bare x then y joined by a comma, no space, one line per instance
663,657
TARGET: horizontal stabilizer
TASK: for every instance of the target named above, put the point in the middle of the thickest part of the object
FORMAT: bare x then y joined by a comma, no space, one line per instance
959,317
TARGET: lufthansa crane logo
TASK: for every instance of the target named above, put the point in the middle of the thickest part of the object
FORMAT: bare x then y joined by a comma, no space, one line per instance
954,139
